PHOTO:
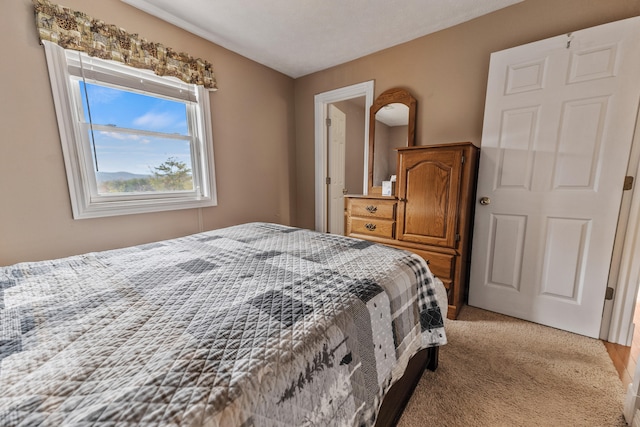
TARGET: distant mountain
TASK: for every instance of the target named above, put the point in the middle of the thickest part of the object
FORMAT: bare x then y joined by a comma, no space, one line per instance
118,176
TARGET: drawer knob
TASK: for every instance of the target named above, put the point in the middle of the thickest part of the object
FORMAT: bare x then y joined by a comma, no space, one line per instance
369,226
372,208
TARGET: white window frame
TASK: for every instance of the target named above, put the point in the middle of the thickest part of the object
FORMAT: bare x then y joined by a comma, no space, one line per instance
85,200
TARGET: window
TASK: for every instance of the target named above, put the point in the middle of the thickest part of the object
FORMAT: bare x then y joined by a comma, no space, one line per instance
133,142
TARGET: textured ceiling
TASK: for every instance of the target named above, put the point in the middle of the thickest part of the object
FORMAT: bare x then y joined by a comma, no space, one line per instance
299,37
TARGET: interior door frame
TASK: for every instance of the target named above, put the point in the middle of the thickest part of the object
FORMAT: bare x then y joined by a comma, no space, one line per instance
624,276
321,101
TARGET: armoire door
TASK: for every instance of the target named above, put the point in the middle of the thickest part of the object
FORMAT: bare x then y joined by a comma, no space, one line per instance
428,195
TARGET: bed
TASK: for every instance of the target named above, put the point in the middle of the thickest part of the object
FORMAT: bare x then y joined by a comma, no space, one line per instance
252,325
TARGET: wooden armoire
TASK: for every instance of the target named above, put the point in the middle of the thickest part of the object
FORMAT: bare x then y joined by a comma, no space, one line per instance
430,214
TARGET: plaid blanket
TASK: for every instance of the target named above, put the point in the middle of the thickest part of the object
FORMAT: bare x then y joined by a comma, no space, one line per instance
257,324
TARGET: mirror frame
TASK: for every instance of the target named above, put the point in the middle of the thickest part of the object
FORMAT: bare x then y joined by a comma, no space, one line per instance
389,96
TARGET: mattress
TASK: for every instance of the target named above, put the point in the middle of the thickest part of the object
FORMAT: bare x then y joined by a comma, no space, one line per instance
257,324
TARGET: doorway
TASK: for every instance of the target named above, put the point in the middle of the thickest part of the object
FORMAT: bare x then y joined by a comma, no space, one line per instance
337,156
362,95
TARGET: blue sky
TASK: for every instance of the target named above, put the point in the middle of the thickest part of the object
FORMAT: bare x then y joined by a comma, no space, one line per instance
127,152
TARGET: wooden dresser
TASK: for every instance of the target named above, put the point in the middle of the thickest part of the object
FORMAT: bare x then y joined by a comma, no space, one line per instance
431,213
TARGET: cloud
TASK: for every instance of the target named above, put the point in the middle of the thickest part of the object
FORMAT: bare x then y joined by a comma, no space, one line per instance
101,94
125,136
156,121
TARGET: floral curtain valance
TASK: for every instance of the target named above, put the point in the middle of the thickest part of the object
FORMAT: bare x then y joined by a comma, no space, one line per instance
77,31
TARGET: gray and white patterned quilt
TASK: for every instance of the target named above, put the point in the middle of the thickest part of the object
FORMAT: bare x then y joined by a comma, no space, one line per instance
252,325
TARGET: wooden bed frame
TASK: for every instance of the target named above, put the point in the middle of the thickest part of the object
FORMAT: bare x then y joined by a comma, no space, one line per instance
395,401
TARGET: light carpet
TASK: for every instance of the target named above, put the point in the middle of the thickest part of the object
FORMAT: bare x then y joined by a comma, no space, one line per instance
501,371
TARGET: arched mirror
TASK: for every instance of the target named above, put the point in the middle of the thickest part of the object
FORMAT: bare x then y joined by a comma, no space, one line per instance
392,124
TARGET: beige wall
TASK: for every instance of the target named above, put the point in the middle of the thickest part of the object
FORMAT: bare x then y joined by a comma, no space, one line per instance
253,135
446,72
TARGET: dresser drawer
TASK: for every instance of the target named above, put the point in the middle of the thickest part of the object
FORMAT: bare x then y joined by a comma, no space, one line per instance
441,265
373,227
374,208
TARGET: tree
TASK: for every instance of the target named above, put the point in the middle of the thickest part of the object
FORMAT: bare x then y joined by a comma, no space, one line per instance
133,185
172,175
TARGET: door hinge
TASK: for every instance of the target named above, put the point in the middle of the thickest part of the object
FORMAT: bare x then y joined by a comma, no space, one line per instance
463,160
328,122
457,237
327,180
609,294
628,183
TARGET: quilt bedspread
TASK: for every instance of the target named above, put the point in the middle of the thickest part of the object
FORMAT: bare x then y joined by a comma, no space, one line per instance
257,324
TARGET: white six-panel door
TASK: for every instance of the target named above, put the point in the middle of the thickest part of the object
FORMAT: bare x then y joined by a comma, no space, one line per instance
337,146
559,121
